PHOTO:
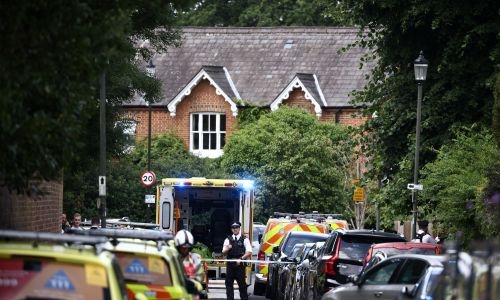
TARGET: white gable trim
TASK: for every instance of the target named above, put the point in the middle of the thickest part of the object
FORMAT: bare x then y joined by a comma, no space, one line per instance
186,91
297,83
319,90
231,83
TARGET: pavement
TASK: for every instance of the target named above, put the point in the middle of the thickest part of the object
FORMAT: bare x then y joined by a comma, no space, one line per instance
217,291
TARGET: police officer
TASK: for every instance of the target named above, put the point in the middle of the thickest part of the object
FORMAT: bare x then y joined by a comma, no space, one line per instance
236,247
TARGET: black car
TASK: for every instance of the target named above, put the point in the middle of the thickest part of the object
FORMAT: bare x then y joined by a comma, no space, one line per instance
296,274
279,258
341,256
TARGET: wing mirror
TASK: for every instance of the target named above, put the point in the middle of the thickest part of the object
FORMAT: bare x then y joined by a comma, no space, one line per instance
276,249
353,278
311,256
409,292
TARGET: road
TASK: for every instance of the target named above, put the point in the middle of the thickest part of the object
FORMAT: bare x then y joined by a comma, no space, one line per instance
217,291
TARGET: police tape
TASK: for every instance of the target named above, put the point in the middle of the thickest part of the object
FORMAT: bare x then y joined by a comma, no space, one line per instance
210,260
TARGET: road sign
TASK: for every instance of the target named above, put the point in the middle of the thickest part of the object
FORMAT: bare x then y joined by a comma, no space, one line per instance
414,186
149,199
148,178
359,194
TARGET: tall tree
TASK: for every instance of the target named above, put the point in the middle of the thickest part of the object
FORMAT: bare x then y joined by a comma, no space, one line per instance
300,164
460,41
52,55
261,13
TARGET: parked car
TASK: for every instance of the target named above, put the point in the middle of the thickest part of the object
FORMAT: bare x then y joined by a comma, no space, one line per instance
341,256
404,276
385,250
42,265
288,271
294,278
281,253
301,280
276,228
258,233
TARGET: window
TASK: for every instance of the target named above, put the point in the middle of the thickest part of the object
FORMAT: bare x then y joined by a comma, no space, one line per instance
208,134
382,273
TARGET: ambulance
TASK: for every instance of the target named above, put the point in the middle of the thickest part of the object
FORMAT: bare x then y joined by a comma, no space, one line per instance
277,227
207,208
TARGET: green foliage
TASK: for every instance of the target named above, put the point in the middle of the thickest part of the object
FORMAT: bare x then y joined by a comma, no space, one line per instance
262,13
462,47
52,55
202,250
299,163
455,193
169,158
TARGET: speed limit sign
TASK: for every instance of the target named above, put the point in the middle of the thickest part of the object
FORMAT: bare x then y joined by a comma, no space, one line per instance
148,178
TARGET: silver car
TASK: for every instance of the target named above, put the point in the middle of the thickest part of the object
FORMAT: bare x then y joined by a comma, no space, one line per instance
405,276
258,231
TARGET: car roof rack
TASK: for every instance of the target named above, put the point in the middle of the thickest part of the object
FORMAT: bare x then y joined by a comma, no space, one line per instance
127,224
37,237
115,234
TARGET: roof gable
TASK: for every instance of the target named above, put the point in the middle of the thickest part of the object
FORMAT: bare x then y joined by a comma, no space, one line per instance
308,83
219,78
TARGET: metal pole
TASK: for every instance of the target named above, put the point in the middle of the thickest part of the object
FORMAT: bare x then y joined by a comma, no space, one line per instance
149,138
149,157
417,150
102,139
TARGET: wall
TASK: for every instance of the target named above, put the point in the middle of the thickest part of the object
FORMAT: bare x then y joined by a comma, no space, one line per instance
204,99
32,213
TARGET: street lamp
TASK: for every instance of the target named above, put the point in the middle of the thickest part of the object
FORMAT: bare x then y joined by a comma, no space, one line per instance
150,69
420,65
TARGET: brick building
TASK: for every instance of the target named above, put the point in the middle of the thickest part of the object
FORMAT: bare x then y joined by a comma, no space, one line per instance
218,71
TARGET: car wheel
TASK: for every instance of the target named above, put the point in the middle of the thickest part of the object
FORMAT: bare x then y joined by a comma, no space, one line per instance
268,289
259,289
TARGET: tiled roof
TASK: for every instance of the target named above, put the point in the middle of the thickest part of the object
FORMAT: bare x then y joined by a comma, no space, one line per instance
263,61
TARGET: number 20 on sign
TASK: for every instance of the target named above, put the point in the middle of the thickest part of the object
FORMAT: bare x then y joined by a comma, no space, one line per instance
148,178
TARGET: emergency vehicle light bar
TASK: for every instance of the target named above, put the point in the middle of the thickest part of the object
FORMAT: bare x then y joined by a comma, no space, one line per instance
50,237
307,216
132,224
150,235
204,182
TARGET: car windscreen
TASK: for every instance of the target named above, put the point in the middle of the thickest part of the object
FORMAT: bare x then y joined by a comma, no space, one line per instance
293,240
149,270
355,246
256,231
35,278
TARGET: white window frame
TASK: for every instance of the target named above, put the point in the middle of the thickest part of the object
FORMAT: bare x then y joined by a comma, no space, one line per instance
204,133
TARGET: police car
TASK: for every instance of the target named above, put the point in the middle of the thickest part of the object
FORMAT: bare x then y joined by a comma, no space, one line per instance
36,265
149,262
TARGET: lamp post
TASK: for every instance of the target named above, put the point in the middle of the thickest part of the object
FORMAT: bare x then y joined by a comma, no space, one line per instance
420,65
102,155
150,69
